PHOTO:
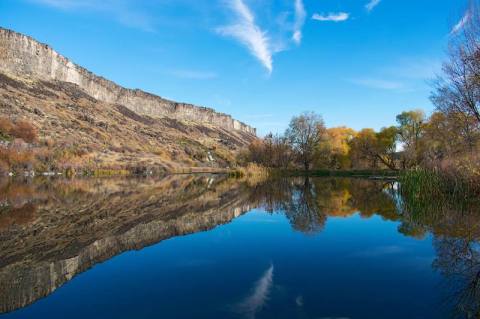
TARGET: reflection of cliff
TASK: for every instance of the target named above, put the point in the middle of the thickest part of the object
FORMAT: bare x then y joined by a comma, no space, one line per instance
49,232
74,228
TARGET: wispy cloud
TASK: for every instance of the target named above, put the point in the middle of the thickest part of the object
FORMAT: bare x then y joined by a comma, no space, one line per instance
259,296
420,68
405,75
123,11
300,16
194,74
375,83
247,32
334,17
372,4
463,21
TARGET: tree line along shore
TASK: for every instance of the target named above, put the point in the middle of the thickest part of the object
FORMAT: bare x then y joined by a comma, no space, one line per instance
436,151
446,143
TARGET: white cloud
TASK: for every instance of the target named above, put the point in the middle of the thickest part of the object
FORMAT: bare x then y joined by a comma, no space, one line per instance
300,15
194,74
247,32
335,17
463,21
123,11
375,83
372,4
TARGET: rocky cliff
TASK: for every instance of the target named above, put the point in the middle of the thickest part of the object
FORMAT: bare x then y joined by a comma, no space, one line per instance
22,56
87,123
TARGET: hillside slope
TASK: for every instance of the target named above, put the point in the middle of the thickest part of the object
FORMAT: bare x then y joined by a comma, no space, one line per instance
87,121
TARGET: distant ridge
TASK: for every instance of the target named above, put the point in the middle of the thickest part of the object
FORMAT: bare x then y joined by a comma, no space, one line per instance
23,56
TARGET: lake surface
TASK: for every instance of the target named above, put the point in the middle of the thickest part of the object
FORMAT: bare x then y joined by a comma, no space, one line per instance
210,247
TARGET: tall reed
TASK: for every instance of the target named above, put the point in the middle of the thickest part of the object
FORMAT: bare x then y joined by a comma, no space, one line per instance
430,192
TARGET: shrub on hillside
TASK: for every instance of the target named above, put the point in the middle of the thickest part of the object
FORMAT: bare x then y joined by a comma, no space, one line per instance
25,131
21,129
6,126
16,158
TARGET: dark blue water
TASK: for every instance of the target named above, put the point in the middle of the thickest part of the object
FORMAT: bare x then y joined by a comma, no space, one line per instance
259,266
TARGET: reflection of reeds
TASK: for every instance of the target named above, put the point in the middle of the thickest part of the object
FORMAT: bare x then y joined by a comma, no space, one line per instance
430,191
439,203
253,174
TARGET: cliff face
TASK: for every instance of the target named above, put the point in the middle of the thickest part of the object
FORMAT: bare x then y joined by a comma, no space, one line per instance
23,56
87,122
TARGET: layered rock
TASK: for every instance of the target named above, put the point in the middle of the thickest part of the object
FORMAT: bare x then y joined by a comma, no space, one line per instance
23,56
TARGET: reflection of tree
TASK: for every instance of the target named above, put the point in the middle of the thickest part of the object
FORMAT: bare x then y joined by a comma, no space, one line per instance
333,196
303,211
307,203
374,198
458,260
456,231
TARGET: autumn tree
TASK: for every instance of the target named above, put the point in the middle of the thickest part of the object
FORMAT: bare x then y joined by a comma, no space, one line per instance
339,139
449,137
372,149
281,151
272,151
363,149
410,129
305,133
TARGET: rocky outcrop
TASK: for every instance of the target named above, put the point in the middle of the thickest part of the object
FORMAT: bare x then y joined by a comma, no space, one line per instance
23,56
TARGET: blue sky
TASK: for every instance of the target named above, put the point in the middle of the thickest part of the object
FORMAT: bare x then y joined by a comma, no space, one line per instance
355,62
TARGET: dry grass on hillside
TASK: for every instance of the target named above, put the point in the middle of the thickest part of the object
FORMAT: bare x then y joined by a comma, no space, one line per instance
69,129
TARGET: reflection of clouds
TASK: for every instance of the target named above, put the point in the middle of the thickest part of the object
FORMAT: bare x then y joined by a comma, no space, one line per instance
254,302
299,301
380,251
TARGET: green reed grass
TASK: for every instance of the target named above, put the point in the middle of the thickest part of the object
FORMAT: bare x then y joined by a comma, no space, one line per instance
428,192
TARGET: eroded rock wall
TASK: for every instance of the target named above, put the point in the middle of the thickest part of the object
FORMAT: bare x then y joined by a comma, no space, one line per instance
23,56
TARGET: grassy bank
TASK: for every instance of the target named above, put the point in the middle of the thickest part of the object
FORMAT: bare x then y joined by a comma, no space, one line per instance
427,192
433,184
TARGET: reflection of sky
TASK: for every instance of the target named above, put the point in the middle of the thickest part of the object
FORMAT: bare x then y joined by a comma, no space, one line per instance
380,251
352,266
257,299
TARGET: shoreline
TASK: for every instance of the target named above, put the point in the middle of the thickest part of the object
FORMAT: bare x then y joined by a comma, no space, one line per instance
371,174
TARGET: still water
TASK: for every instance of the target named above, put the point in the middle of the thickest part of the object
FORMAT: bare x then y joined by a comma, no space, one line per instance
209,247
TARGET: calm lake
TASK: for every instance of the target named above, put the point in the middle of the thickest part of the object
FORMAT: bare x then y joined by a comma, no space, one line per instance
210,247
